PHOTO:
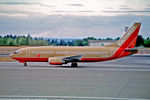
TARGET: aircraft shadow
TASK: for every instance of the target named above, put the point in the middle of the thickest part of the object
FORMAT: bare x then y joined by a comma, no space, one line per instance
35,66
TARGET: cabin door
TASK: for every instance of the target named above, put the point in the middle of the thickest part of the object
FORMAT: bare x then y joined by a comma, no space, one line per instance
28,52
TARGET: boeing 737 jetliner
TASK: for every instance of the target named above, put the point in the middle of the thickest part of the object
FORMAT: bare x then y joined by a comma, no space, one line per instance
58,55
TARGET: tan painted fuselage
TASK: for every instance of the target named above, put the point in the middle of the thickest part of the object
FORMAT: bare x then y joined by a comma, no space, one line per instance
61,51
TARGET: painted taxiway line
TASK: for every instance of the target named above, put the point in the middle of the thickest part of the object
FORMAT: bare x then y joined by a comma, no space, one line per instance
11,97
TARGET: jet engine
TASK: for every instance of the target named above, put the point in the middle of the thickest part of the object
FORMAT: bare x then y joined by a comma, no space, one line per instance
55,61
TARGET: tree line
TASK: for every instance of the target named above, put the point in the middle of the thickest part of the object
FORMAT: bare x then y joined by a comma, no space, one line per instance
10,40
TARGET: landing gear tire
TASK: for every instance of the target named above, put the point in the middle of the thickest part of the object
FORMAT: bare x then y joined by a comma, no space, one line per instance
25,64
74,64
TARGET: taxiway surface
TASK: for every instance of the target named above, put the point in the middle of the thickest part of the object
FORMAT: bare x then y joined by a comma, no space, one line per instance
118,79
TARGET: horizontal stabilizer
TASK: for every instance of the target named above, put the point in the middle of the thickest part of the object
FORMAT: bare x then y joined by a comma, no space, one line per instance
133,49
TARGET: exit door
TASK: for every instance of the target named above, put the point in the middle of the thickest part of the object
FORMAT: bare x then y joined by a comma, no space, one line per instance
27,52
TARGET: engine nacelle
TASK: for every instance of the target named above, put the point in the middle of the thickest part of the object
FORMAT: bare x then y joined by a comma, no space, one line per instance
55,61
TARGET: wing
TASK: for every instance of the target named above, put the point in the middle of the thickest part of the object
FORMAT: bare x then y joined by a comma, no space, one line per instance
72,58
64,59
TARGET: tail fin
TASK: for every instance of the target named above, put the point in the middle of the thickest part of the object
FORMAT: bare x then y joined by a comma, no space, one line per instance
129,38
128,41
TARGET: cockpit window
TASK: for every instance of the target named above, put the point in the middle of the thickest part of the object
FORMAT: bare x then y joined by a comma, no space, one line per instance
16,52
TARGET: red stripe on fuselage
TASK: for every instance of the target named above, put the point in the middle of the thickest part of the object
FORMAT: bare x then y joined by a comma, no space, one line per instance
96,59
31,59
46,59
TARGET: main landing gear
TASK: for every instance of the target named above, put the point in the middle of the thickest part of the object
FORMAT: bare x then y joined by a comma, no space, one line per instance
74,64
25,64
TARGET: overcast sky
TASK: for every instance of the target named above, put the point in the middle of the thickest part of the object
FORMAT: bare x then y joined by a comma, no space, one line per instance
73,18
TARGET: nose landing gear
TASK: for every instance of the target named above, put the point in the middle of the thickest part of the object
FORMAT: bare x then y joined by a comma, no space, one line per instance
25,64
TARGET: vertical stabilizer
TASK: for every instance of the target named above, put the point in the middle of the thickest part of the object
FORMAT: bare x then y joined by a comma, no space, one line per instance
129,38
127,41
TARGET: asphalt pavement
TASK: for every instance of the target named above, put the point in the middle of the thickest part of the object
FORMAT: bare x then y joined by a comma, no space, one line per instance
121,79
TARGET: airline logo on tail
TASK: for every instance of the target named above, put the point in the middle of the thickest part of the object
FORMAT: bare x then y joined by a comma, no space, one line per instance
126,36
128,41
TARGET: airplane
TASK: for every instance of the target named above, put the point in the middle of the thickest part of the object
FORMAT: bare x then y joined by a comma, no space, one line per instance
59,55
